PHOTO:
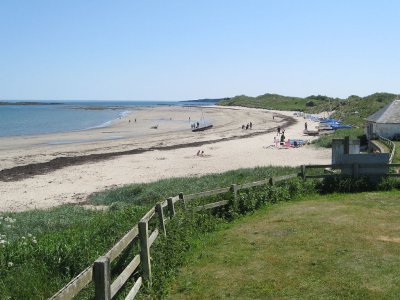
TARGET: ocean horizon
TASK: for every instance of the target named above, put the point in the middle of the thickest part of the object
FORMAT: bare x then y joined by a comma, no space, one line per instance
56,116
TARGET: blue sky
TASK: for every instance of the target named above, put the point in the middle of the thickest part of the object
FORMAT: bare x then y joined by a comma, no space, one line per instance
175,50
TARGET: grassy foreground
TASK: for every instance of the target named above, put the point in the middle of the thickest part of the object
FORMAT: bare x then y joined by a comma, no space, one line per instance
327,247
40,251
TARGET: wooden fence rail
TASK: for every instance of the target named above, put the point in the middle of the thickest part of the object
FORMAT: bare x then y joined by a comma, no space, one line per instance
390,145
100,271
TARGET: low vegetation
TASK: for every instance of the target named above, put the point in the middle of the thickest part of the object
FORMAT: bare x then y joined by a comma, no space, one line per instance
35,263
396,158
150,193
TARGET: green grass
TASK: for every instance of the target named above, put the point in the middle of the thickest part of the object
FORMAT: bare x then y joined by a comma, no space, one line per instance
38,222
159,190
327,247
325,141
35,266
396,158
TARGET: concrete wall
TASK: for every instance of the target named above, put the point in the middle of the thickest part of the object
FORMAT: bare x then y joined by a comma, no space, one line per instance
373,158
338,149
345,151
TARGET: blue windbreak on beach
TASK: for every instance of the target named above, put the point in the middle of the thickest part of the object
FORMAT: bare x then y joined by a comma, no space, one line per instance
16,120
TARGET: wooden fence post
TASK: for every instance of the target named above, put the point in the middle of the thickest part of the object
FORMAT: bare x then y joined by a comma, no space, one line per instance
234,191
160,213
235,202
182,199
102,278
303,172
171,207
145,250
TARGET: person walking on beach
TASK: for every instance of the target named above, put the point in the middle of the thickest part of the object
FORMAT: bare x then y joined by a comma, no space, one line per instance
279,130
251,125
305,125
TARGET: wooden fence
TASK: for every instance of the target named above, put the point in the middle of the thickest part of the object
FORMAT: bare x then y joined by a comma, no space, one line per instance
390,145
356,170
100,271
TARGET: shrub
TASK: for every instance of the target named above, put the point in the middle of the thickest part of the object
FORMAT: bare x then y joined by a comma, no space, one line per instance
387,184
348,184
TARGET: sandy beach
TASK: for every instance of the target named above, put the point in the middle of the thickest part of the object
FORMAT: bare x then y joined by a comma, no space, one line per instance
43,171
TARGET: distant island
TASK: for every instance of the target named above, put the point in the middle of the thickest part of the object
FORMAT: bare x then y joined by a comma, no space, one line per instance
28,103
206,100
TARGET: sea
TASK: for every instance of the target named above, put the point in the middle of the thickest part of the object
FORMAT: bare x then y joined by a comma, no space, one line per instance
41,117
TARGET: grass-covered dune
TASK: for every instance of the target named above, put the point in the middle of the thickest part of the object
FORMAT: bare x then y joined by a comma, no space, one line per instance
352,110
321,247
310,104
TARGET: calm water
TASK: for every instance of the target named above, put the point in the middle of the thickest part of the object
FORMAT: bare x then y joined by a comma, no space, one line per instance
66,116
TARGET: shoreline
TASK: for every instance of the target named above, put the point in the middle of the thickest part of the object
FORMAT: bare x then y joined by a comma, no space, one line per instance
49,175
21,172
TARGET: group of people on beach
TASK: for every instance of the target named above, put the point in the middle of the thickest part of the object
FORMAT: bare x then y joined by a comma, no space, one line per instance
194,125
281,140
248,126
200,153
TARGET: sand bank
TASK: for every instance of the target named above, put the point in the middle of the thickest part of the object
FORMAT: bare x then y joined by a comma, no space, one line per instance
133,152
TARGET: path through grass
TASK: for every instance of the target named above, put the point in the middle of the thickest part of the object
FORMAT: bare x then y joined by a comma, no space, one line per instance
330,247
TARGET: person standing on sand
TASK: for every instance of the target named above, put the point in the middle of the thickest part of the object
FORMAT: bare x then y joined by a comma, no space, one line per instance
283,138
279,130
305,125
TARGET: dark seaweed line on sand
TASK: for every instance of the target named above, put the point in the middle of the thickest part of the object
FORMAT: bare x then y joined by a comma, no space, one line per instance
30,170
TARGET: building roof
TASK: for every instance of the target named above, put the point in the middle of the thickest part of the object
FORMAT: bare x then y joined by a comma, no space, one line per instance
389,114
